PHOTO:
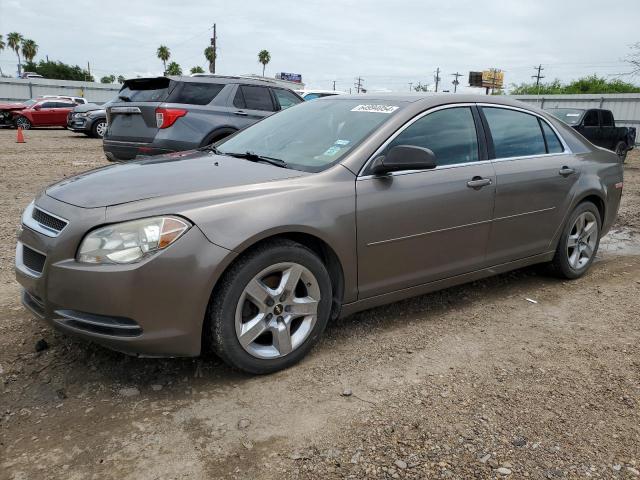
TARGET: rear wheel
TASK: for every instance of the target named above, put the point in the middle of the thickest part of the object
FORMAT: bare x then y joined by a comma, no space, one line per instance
270,308
99,128
22,122
621,150
579,242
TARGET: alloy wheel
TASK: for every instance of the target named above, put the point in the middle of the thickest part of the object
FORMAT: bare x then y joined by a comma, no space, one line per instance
277,310
101,128
23,123
582,240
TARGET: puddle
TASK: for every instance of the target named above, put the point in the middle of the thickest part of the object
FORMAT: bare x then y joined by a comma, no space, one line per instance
620,241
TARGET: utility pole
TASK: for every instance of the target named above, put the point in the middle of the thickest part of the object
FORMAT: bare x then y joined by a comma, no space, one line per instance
214,38
410,86
334,85
538,76
437,78
456,82
358,84
88,71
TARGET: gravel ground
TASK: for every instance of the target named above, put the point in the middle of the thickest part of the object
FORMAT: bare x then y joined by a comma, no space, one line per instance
471,382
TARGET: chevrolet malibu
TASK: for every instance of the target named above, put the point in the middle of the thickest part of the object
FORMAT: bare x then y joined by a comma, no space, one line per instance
251,246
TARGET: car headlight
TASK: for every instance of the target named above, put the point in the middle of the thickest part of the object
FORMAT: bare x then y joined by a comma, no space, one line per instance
81,115
130,242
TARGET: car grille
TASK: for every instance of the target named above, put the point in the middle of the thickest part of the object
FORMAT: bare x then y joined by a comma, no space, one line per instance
49,221
33,260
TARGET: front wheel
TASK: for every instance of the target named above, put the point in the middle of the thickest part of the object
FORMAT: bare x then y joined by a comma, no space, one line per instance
99,128
621,150
578,243
270,308
22,122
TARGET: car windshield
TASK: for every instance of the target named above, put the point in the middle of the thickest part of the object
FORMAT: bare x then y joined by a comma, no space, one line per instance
28,103
571,116
312,136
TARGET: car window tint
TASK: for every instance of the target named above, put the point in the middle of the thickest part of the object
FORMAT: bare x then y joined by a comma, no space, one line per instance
79,102
449,133
257,98
65,105
238,100
607,118
515,134
48,105
196,93
553,142
311,96
591,119
285,98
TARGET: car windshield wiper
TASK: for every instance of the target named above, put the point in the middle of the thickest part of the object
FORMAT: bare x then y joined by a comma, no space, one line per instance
254,157
124,98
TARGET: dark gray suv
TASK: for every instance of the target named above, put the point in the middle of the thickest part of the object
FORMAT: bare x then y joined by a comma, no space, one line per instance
171,114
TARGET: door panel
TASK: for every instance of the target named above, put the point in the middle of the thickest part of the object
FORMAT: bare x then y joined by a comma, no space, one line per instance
532,197
419,227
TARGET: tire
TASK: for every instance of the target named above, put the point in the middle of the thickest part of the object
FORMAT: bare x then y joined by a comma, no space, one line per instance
234,314
98,128
571,263
218,135
22,122
621,150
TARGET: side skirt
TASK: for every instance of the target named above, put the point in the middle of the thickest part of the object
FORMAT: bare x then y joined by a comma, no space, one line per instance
366,303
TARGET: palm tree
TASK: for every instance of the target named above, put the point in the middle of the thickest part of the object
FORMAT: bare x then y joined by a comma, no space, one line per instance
29,49
121,79
197,69
2,47
174,69
163,54
14,39
210,55
264,57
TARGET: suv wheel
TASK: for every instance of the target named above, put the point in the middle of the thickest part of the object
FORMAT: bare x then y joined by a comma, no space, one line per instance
22,122
579,242
270,308
99,128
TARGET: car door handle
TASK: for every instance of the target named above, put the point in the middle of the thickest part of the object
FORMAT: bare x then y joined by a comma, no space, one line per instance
566,171
478,182
241,113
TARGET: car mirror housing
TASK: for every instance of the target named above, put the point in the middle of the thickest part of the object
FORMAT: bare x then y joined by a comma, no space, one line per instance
404,157
37,107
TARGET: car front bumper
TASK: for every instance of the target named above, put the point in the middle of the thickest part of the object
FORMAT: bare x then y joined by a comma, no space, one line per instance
79,124
152,308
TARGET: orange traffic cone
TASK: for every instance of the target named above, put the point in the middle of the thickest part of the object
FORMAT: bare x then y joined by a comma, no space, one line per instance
20,136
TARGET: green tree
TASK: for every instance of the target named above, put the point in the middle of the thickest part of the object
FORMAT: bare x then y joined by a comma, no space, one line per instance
174,69
264,57
59,71
590,84
121,79
108,79
197,69
211,55
163,54
29,49
2,47
421,88
14,40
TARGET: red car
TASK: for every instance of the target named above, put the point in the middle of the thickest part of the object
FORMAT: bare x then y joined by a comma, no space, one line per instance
43,113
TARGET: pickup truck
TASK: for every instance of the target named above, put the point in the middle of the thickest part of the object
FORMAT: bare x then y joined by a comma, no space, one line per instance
598,126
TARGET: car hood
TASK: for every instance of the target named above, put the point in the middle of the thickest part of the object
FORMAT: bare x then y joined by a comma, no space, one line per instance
166,175
12,106
87,107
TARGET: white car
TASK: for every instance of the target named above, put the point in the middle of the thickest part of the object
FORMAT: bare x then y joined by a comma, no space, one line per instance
313,94
76,100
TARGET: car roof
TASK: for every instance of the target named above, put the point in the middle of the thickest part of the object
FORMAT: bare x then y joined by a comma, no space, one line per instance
226,79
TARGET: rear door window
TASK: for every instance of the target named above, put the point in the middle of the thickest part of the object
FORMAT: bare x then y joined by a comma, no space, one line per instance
553,142
285,98
256,98
449,133
194,93
591,119
514,133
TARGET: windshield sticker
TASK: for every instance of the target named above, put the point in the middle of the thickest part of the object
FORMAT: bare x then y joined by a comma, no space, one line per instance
573,114
375,108
341,142
331,151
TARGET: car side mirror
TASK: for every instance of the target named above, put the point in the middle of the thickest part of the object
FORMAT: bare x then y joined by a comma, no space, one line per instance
404,157
37,107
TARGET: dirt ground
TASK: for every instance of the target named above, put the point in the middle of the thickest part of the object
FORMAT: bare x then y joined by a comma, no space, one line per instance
471,382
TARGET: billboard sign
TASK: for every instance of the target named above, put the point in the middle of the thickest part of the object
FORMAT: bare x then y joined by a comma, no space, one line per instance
289,77
492,78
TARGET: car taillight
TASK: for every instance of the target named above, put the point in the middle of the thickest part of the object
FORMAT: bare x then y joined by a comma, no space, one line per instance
165,117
